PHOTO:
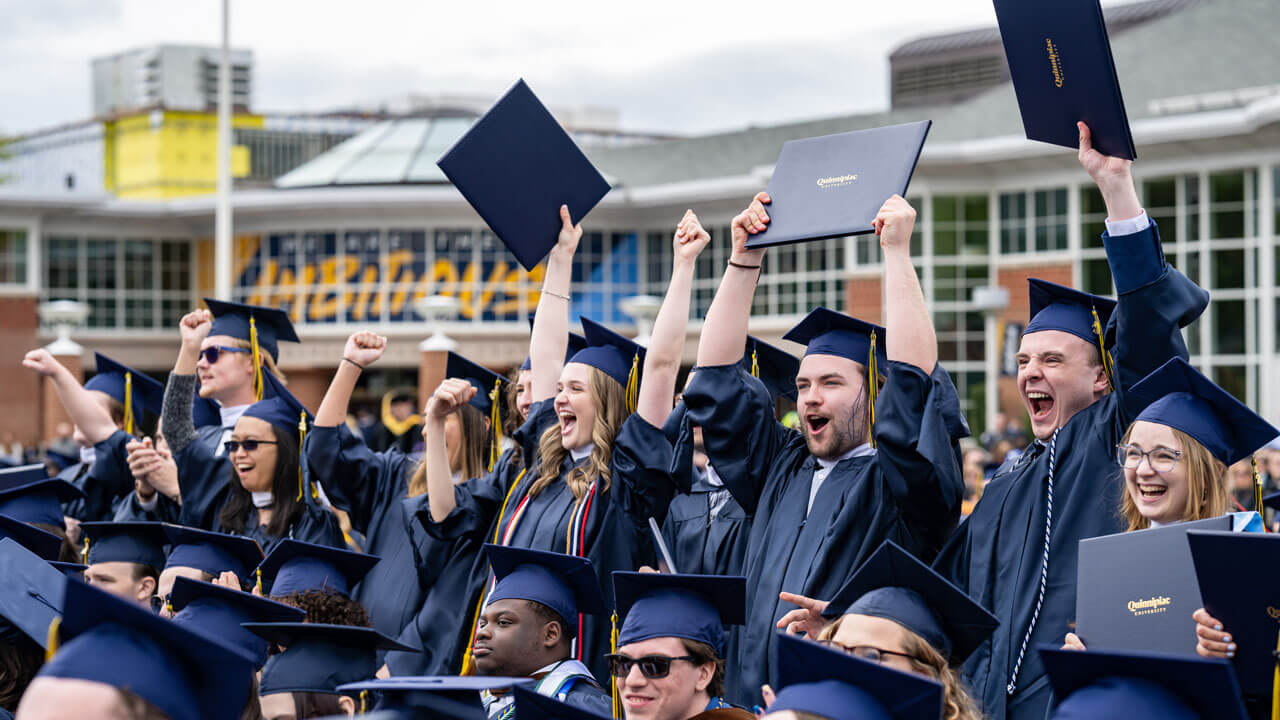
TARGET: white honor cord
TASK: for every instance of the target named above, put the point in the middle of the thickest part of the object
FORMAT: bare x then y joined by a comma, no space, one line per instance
1044,566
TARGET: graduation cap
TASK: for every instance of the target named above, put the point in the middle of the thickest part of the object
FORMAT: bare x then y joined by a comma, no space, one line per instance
135,390
1058,307
31,595
45,545
564,583
532,706
219,612
133,542
1181,397
106,639
318,657
446,697
775,367
212,552
576,343
287,415
488,398
27,493
68,569
262,327
295,566
896,586
1104,684
830,684
827,332
613,355
693,607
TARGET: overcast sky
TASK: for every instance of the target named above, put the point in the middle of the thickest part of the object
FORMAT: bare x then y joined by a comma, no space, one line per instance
684,66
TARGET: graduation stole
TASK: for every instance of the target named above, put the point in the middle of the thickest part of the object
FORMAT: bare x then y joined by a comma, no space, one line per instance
397,427
573,545
468,664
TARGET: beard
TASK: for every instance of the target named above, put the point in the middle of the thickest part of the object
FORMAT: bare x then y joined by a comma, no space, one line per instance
844,433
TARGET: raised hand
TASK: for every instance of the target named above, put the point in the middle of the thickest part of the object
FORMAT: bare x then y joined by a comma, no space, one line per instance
42,362
228,579
570,234
691,239
894,224
452,394
194,328
807,619
1112,176
364,348
750,222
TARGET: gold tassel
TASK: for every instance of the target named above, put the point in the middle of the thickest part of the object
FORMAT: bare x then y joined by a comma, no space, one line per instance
1102,348
168,605
873,389
84,552
633,385
1257,488
302,435
51,639
257,360
128,404
613,648
257,586
364,701
495,423
755,363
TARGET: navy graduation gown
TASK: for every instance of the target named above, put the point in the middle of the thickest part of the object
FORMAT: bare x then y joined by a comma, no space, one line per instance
371,487
614,536
104,481
908,491
128,509
996,554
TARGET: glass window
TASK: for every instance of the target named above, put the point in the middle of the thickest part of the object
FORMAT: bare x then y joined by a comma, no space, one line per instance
1051,219
1191,183
62,267
1228,268
1234,379
960,225
1013,225
1093,215
1228,326
1096,276
1226,196
13,257
1161,202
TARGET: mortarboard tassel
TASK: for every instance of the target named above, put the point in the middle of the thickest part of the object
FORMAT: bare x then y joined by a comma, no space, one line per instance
1102,348
257,360
1257,489
84,552
613,648
128,404
873,389
495,422
364,701
755,363
302,435
51,639
633,385
257,584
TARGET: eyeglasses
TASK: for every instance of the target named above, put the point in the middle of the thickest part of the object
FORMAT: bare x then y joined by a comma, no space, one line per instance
158,602
212,353
248,445
651,666
1161,459
865,652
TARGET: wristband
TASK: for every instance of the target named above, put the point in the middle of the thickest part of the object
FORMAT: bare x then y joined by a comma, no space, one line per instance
744,267
353,362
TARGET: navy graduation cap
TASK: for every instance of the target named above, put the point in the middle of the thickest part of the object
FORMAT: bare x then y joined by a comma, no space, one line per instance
614,355
319,658
31,595
1106,684
28,494
71,570
445,697
1179,396
693,607
775,367
830,684
134,390
488,384
894,585
109,640
218,612
133,542
827,332
296,566
516,166
262,327
532,706
46,545
1058,307
564,583
212,552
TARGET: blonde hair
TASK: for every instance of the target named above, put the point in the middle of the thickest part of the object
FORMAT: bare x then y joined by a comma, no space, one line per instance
267,361
1207,494
926,660
475,449
609,399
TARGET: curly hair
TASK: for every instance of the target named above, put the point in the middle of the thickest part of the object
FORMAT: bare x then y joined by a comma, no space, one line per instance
610,401
20,660
330,608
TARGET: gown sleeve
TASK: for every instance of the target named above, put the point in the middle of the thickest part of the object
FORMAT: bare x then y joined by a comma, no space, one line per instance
355,478
738,428
641,472
109,478
202,480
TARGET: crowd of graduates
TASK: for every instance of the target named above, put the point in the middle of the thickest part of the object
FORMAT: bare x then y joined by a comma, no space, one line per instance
589,538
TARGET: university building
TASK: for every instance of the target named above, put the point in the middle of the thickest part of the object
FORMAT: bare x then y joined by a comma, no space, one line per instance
350,237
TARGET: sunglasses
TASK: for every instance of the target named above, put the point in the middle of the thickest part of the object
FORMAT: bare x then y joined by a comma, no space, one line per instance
213,352
651,666
248,445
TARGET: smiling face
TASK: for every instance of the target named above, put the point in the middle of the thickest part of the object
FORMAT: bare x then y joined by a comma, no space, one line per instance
1159,496
227,378
1059,375
832,391
678,696
256,470
574,406
524,393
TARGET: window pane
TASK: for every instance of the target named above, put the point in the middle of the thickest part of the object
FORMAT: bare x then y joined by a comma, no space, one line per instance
1234,379
1093,213
13,256
1228,268
1228,326
1096,276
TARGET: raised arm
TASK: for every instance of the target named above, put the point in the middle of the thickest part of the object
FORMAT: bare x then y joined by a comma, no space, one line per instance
452,394
175,420
724,331
911,335
1113,178
550,336
662,361
94,421
362,350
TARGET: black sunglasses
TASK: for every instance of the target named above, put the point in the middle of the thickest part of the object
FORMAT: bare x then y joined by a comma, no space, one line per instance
248,445
213,352
651,666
